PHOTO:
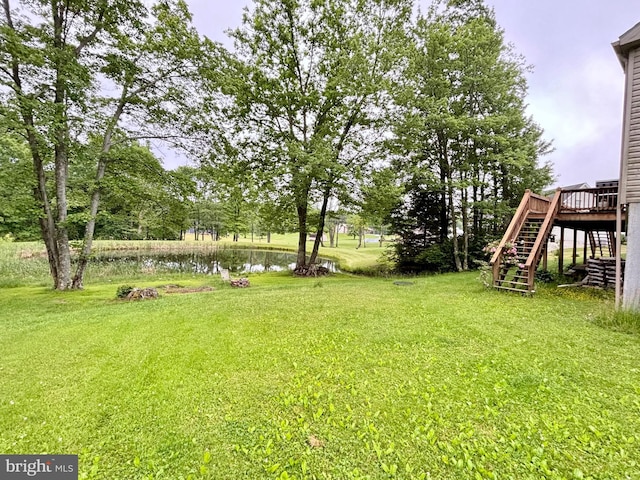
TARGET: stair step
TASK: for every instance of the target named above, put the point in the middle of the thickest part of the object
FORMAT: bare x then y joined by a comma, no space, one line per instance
513,289
512,283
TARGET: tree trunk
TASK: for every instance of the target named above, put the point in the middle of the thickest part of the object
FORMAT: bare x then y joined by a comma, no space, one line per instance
454,229
47,222
301,259
443,207
465,229
302,208
78,279
323,214
61,159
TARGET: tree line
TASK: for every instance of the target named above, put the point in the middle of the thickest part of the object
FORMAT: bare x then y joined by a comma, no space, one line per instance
320,110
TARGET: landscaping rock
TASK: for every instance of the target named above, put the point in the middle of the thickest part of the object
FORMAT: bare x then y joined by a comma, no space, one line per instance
313,270
142,294
240,283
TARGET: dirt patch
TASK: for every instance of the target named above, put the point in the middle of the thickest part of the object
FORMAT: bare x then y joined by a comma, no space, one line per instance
177,289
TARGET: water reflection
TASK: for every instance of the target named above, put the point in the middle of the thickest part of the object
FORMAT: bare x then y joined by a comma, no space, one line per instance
208,262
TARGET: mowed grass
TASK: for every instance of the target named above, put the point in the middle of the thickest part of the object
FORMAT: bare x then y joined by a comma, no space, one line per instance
340,377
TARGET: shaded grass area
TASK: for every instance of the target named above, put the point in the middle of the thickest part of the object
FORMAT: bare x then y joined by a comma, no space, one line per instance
340,377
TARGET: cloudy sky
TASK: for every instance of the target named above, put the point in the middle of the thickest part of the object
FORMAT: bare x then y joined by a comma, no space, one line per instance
575,87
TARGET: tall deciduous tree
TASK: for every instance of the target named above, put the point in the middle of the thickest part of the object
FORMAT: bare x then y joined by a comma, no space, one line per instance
463,120
311,87
61,60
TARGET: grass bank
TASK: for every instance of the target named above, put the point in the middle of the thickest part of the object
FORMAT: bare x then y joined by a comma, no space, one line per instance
340,377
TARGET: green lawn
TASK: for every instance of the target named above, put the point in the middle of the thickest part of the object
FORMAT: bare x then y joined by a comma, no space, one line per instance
339,377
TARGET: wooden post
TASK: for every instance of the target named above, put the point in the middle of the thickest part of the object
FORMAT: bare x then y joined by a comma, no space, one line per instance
561,257
618,255
575,246
584,253
544,256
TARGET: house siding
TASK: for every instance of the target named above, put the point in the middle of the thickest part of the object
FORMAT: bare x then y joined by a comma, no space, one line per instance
632,153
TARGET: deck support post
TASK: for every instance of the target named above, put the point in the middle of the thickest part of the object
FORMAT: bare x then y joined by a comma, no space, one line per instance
618,255
575,246
584,253
561,256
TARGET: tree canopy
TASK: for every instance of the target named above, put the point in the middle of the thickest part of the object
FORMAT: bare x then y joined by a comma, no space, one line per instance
321,110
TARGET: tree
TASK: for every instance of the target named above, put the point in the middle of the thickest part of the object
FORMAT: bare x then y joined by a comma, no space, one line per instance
379,198
57,58
17,206
463,119
141,200
310,87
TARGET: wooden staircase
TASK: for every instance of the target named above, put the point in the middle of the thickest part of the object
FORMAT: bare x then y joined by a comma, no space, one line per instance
603,244
517,256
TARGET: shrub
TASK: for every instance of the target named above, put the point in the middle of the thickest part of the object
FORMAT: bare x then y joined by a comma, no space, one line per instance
123,291
545,276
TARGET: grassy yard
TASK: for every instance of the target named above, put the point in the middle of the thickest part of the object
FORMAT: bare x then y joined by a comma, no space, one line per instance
340,377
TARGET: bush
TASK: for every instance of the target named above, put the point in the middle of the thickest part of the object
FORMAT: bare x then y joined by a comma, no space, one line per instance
123,291
545,276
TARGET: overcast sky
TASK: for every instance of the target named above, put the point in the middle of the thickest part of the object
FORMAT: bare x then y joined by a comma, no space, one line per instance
575,88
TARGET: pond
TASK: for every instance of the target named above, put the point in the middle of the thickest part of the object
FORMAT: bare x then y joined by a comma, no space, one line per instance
207,262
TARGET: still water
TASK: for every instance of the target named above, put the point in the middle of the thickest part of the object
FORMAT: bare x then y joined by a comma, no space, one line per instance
208,262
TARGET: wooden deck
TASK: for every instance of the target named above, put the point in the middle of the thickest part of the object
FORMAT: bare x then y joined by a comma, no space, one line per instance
588,209
591,210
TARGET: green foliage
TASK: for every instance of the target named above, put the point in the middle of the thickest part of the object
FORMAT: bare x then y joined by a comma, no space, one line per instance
545,276
123,291
464,137
309,90
18,212
73,73
436,258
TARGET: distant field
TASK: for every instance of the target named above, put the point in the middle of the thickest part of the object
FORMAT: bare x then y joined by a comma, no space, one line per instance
339,377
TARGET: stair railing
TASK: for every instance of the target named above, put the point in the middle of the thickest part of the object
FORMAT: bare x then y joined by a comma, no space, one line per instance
518,220
545,229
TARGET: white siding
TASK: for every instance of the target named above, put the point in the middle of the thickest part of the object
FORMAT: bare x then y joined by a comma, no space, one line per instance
632,153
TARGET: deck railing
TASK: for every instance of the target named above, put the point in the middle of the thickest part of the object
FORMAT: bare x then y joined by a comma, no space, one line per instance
587,200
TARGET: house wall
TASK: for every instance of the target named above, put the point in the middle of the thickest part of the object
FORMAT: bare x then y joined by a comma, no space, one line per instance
631,294
631,141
